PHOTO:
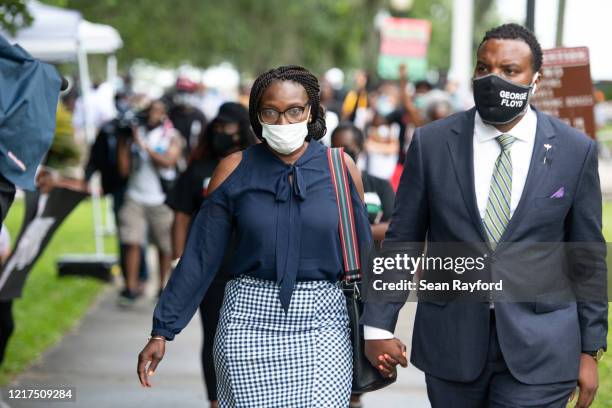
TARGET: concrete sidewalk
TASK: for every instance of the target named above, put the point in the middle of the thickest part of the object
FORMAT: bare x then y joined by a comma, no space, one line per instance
99,358
409,389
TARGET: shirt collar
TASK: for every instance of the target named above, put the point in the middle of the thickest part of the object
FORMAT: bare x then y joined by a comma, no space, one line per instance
524,130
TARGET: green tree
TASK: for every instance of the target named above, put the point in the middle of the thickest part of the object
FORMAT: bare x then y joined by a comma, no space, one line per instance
255,35
14,15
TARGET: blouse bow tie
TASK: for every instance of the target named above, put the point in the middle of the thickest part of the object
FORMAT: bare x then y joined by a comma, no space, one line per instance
283,186
288,231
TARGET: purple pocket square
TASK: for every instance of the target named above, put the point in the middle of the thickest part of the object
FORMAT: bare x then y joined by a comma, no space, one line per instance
560,193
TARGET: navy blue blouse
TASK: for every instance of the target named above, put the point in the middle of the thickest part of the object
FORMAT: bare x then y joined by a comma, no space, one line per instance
285,231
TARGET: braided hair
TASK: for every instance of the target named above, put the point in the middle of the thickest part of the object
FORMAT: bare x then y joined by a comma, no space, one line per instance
295,73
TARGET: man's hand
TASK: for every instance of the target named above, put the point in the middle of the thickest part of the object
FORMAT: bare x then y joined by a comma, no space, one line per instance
385,355
588,381
153,352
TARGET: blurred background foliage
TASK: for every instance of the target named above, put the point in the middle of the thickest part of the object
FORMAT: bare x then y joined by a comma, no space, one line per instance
255,35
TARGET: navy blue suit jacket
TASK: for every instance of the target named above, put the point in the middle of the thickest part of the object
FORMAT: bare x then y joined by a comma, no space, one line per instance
436,202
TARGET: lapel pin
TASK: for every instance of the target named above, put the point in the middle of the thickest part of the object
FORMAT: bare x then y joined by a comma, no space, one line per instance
547,147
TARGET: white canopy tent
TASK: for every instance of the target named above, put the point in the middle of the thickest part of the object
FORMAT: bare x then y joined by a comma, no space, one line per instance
59,35
53,35
99,38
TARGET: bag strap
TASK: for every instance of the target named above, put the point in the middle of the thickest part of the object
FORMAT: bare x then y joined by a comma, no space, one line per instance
348,233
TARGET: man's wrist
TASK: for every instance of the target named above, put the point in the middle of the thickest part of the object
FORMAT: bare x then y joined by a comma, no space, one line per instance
597,355
375,333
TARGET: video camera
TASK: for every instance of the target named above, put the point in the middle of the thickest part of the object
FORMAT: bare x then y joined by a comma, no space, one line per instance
125,122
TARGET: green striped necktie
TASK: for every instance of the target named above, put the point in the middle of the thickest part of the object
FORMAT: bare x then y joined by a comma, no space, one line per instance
497,214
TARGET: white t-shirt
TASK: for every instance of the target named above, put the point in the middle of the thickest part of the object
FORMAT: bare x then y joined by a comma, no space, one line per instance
144,185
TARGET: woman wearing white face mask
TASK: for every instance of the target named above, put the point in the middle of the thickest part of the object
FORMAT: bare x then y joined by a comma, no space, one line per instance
382,147
283,336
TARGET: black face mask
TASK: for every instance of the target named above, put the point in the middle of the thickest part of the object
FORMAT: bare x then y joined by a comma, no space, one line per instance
498,100
223,143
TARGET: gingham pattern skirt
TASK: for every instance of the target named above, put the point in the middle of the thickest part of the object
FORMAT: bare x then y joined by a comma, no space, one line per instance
264,358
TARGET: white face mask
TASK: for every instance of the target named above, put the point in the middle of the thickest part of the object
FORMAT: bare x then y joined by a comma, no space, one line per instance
285,139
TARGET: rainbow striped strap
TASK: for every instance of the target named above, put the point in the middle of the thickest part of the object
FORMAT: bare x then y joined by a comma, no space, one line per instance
348,233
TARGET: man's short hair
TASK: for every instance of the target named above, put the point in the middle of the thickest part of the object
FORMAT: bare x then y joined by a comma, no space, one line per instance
517,32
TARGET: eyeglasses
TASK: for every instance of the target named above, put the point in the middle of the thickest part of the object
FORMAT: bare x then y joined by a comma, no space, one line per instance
270,116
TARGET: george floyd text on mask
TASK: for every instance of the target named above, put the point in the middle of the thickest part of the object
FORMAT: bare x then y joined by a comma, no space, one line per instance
500,101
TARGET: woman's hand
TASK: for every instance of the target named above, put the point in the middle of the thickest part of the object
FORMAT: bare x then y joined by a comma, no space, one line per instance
150,355
385,355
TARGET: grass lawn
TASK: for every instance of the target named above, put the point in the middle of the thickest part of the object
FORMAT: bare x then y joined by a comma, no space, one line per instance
50,306
604,395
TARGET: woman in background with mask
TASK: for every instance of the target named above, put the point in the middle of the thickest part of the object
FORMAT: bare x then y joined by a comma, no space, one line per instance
382,147
283,336
228,133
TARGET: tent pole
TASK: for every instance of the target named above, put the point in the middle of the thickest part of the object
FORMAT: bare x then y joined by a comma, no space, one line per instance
111,68
89,137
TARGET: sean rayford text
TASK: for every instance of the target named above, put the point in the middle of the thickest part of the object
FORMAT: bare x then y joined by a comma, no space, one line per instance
455,285
410,264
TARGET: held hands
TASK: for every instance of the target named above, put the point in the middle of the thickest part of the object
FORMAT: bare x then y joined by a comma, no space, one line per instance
152,353
385,355
588,381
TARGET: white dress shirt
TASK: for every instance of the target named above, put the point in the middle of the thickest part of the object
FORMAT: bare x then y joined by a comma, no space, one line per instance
486,151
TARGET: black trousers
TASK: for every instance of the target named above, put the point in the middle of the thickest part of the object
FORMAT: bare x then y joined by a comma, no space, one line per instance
496,387
7,195
210,307
7,325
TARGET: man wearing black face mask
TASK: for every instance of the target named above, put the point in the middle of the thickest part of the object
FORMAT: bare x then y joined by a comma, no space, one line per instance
496,174
229,132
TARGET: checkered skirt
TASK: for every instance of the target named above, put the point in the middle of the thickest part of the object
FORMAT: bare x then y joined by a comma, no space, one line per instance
264,358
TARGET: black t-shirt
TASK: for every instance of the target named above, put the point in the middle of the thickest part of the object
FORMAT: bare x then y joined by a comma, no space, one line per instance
190,123
103,157
379,198
190,189
399,116
187,197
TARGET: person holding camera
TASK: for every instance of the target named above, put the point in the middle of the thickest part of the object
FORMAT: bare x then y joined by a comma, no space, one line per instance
103,158
148,160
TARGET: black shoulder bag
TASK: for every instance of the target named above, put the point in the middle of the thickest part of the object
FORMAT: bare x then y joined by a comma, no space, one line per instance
366,377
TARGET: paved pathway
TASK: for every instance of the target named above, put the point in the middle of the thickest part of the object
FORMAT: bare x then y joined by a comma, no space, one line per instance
99,358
